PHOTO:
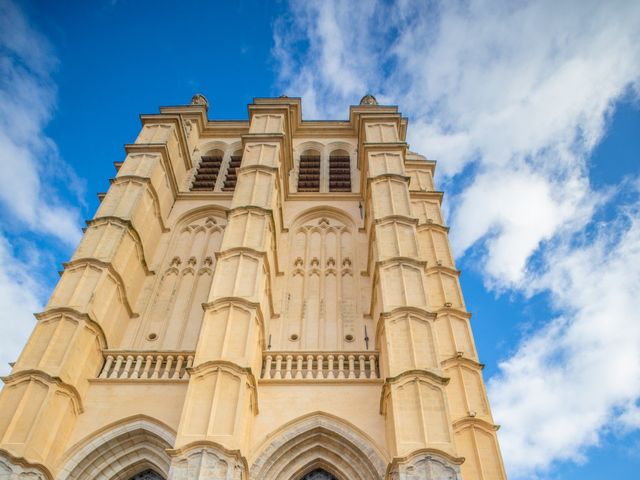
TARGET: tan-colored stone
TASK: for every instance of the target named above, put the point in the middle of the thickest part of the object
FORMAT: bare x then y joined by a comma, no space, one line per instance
256,332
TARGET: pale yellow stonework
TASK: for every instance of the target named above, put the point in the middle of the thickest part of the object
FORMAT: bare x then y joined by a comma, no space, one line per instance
256,333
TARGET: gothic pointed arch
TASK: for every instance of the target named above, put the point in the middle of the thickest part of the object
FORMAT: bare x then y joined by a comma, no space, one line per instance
173,317
318,442
122,451
321,310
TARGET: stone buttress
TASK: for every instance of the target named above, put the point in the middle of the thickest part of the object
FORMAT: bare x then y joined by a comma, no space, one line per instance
222,398
433,399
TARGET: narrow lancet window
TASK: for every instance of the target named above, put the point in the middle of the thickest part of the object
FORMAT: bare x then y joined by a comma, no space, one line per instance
339,171
232,176
208,170
309,172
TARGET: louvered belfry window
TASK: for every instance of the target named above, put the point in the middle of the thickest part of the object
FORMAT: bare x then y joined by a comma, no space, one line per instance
207,173
339,172
309,173
232,176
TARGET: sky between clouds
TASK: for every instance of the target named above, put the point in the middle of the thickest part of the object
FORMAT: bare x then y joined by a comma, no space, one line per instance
511,98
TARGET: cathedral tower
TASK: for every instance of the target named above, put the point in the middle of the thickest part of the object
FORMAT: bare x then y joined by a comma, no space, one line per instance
271,299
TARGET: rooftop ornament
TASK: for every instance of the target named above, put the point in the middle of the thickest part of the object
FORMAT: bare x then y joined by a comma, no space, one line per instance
199,99
368,100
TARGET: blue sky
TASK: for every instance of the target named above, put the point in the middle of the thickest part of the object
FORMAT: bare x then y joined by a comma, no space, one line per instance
531,109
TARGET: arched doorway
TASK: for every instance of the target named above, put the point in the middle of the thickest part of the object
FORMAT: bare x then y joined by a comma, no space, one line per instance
318,474
147,475
318,447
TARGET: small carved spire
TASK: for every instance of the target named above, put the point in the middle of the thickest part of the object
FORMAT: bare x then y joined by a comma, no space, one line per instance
368,99
199,99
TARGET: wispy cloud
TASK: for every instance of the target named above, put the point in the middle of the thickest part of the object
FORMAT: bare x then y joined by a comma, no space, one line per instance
36,183
512,98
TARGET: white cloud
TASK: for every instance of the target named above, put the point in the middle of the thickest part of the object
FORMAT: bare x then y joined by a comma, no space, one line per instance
27,156
34,180
580,374
21,295
511,98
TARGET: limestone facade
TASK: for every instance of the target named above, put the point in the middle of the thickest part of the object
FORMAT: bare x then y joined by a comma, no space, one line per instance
271,299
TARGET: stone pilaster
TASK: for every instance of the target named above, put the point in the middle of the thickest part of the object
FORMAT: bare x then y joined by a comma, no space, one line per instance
414,397
88,311
471,420
222,397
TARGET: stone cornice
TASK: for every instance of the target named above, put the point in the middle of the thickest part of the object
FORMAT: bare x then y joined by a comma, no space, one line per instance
204,195
455,311
180,135
26,464
211,366
476,422
70,390
388,176
432,226
130,229
152,190
425,452
222,302
400,312
208,444
458,360
112,271
407,376
72,312
163,150
426,194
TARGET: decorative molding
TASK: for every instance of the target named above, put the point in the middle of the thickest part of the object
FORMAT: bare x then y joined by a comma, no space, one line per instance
21,376
18,468
425,464
206,460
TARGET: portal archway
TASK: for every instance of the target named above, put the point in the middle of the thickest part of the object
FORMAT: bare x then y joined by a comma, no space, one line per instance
318,447
133,447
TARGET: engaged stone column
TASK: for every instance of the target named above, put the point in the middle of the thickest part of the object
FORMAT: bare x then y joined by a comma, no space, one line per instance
221,400
414,399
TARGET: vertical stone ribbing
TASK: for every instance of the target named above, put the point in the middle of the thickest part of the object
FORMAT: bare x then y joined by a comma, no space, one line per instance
473,427
222,398
414,399
92,303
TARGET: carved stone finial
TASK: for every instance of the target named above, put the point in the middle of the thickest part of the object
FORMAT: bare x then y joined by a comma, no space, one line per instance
368,100
199,99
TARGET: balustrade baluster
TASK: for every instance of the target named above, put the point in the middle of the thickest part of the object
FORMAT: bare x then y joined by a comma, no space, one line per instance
107,366
320,373
373,371
330,373
278,367
267,367
340,366
158,365
352,368
287,374
299,360
116,369
147,366
136,368
309,374
127,367
167,368
362,373
178,371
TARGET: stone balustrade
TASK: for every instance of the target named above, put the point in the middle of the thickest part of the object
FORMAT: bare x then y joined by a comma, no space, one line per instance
348,366
146,365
